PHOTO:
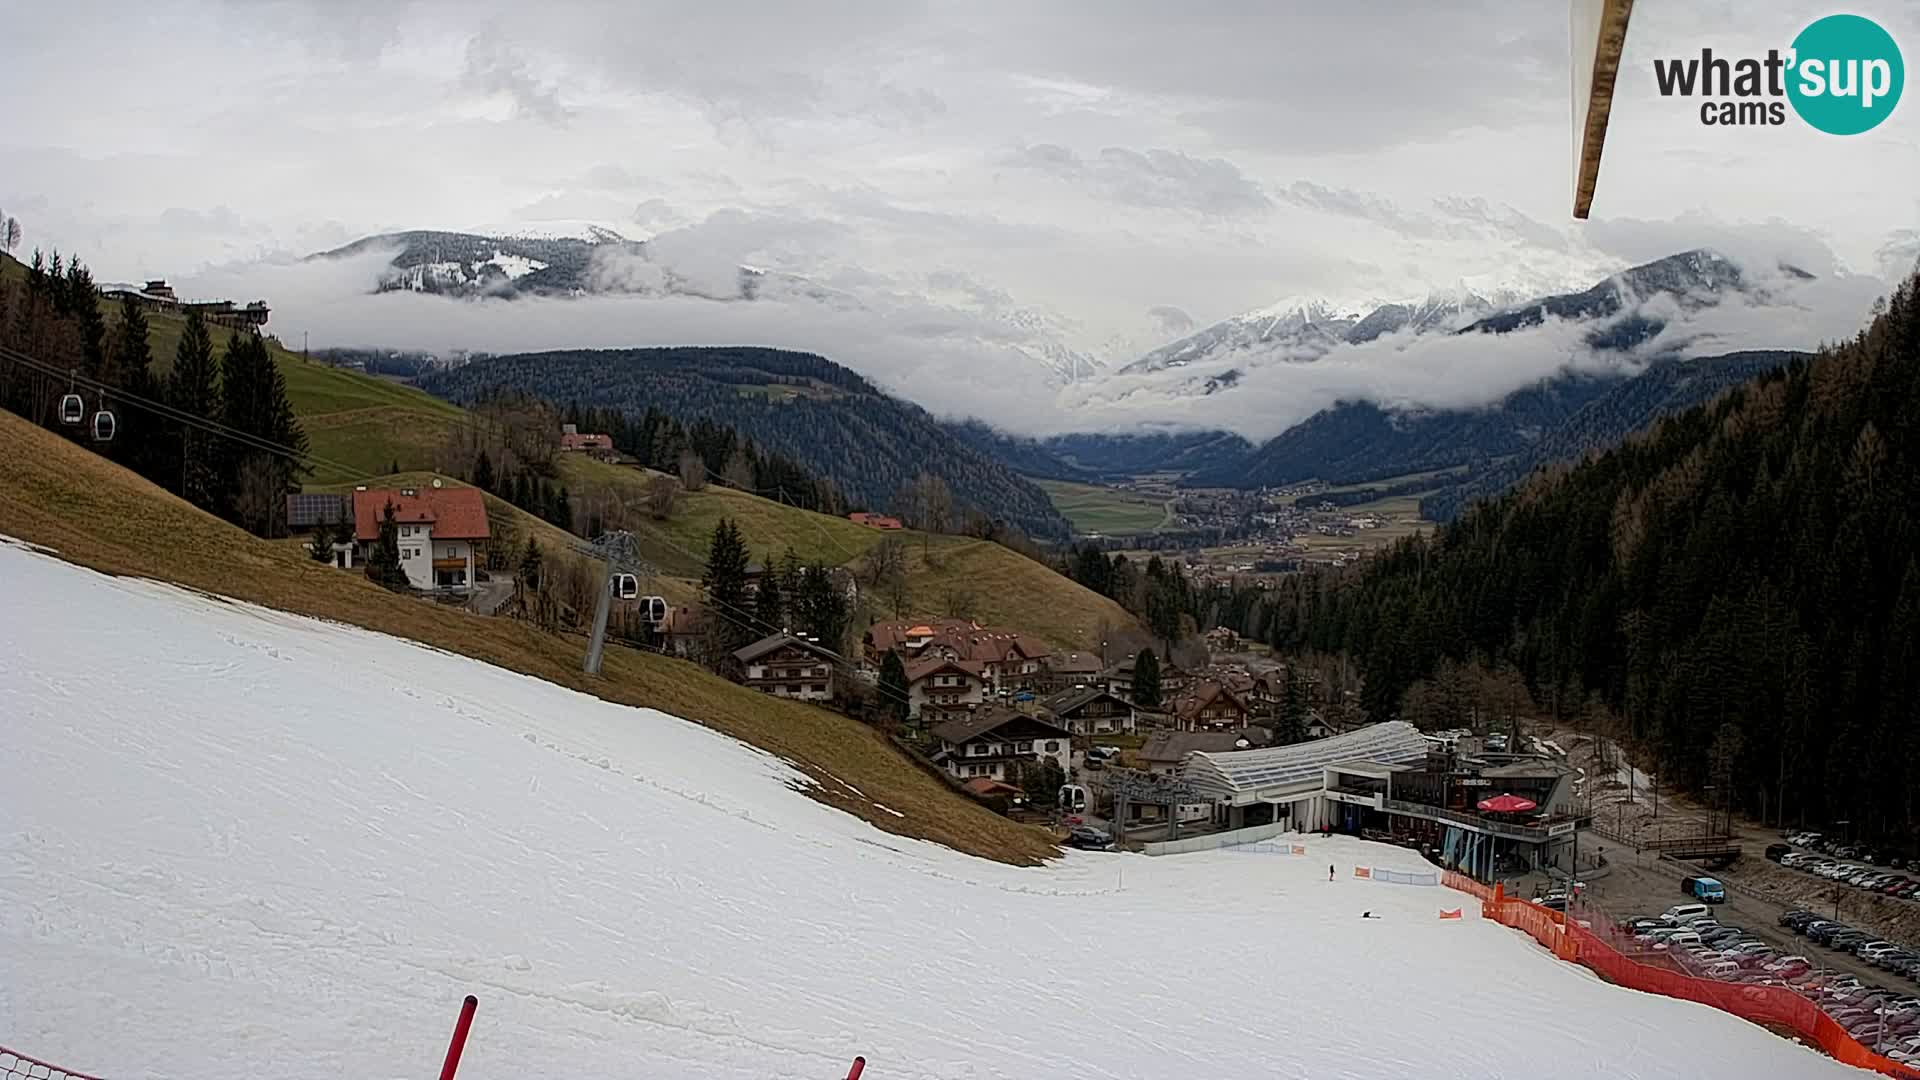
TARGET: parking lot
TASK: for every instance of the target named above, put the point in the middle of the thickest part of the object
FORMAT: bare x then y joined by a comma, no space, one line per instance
1645,885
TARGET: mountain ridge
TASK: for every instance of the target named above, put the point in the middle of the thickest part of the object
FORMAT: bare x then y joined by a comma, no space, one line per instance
803,406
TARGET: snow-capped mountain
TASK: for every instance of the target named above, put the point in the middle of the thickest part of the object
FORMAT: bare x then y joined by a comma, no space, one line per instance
1294,329
1302,329
1693,279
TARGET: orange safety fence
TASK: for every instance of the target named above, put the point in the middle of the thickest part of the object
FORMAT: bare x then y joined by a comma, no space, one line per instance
1774,1006
1361,871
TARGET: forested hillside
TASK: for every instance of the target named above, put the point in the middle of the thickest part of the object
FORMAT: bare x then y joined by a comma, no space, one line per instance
826,418
1116,456
1666,386
1737,589
1026,456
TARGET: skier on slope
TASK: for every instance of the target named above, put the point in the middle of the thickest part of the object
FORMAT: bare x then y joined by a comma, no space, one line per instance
1329,871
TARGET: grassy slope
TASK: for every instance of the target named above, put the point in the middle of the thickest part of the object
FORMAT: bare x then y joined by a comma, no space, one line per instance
679,544
1093,508
96,514
355,420
1008,589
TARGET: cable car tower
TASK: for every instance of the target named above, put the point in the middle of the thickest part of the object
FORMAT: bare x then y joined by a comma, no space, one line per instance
619,553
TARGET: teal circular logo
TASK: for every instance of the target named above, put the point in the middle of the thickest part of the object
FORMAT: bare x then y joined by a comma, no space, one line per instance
1846,75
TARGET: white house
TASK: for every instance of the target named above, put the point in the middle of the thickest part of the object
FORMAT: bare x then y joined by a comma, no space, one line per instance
947,686
439,530
994,742
787,666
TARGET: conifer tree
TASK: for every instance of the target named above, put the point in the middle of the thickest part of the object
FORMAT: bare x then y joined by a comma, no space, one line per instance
893,685
483,471
383,561
1146,680
770,602
1292,720
528,575
320,547
725,583
139,441
822,607
192,388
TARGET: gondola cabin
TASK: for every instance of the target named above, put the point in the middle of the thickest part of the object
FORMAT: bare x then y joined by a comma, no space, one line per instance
653,611
72,409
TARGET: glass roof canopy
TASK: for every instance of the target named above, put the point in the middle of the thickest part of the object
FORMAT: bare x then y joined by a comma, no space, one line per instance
1242,772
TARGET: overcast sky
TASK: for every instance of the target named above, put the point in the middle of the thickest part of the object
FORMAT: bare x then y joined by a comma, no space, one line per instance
1102,176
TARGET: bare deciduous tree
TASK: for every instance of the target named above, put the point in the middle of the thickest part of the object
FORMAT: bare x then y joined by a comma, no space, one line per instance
739,471
662,494
958,600
886,561
693,471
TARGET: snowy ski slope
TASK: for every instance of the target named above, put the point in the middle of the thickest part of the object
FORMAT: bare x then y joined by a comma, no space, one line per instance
240,844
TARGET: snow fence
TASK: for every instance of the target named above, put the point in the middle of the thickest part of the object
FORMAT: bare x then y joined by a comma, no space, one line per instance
17,1066
1770,1006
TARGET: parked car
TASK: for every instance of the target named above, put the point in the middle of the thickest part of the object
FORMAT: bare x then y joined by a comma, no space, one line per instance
1777,852
1705,889
1686,913
1087,837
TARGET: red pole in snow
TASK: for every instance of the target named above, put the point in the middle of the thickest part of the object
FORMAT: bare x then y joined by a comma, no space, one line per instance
859,1066
459,1042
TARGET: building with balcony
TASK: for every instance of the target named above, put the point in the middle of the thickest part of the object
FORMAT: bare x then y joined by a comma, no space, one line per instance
1384,780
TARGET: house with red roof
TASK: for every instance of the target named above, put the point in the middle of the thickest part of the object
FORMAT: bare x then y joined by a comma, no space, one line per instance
875,521
440,530
1008,660
575,441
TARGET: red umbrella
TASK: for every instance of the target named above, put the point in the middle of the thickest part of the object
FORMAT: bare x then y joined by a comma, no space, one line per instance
1507,804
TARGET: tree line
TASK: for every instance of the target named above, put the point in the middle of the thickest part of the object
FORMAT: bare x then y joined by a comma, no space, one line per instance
807,409
54,316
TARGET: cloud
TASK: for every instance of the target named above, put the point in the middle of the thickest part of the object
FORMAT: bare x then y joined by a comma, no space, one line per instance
1899,257
494,68
1446,371
1164,160
1155,178
1365,206
1763,243
1170,321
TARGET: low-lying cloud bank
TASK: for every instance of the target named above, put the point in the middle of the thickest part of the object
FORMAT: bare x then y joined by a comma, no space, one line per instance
978,357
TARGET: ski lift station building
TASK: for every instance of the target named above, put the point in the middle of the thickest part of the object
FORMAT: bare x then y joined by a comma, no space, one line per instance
1389,779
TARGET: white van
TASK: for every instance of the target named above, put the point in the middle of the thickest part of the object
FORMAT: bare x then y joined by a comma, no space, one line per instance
1687,914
